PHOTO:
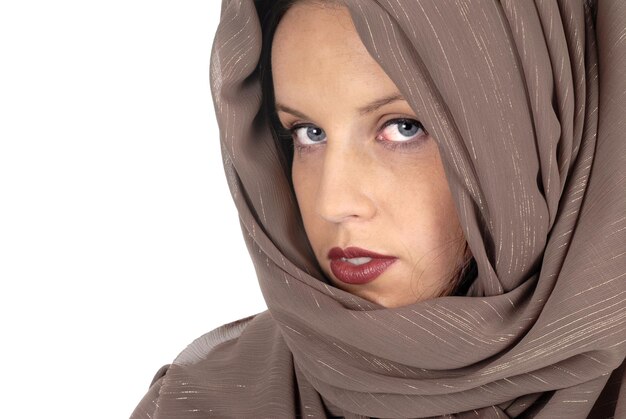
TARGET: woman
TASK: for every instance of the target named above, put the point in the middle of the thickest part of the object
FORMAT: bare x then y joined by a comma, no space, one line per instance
473,152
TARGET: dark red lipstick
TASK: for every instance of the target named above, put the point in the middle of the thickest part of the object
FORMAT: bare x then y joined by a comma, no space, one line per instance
358,274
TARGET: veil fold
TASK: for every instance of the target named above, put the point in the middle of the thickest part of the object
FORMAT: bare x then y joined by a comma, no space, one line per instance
527,103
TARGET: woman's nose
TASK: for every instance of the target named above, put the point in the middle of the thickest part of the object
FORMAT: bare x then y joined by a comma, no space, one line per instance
346,188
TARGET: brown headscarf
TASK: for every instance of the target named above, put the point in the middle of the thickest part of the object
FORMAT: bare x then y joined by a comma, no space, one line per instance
527,103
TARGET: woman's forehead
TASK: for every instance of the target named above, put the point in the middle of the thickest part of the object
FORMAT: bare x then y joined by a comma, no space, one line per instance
328,60
311,28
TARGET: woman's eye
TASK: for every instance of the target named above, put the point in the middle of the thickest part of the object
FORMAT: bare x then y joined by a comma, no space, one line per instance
308,134
401,130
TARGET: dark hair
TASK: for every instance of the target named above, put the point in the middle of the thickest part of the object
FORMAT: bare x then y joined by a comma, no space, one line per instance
270,12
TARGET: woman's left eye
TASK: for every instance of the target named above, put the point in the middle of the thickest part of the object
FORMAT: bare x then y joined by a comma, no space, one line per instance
402,130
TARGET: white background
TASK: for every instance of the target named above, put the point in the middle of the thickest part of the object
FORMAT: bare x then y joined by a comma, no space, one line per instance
119,240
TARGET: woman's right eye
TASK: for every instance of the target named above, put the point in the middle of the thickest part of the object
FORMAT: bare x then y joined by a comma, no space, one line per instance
305,135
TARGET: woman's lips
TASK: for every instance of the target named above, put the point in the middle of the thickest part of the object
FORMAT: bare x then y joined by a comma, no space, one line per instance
358,274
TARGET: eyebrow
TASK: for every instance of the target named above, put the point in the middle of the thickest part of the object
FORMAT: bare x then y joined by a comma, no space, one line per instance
364,110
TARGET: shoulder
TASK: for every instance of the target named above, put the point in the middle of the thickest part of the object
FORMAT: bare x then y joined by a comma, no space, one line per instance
197,350
191,364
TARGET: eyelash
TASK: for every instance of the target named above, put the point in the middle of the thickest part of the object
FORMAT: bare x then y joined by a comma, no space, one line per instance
287,134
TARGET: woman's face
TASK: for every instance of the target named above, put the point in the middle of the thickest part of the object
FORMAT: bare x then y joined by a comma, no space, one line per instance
365,171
